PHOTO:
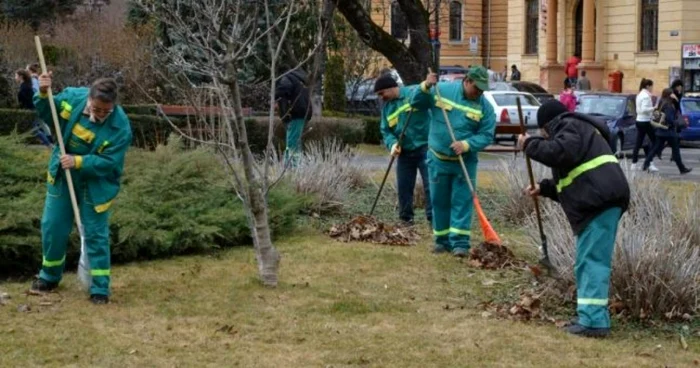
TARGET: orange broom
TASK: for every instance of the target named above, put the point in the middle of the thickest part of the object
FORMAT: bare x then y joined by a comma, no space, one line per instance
490,235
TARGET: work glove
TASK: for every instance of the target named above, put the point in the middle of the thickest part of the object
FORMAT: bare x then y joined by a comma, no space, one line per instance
395,150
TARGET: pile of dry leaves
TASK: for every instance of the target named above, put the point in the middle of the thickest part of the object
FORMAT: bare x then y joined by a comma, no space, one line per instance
369,229
527,308
492,256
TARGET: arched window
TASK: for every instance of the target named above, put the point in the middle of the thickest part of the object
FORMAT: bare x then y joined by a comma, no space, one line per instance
399,25
649,24
455,21
532,19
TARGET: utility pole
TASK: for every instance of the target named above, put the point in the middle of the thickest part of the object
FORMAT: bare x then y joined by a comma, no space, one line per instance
435,36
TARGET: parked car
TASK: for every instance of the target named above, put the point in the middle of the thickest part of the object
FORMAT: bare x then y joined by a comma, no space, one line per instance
455,69
619,112
451,77
506,109
690,108
360,95
521,86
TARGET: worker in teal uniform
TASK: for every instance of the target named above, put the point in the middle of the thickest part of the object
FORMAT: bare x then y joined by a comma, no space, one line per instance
592,189
474,123
412,151
97,134
294,105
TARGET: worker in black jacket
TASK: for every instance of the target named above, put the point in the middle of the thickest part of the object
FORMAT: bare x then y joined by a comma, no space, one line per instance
293,103
593,191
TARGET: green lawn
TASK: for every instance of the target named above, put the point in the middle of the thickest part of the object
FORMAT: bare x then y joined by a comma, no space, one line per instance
339,305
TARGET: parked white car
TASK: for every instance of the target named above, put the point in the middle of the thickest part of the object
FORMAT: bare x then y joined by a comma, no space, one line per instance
506,109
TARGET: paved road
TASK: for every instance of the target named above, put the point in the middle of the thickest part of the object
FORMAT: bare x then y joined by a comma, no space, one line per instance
490,162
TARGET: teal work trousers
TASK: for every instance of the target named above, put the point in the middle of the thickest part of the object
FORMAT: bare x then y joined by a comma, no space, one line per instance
594,252
452,202
56,226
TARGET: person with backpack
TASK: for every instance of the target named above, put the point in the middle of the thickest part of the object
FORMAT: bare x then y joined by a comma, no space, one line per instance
667,126
294,105
567,97
593,191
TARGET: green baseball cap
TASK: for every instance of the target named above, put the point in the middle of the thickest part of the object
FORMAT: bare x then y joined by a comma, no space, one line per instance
480,76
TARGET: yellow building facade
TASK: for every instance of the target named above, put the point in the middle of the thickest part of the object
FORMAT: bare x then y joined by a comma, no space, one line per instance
640,38
471,31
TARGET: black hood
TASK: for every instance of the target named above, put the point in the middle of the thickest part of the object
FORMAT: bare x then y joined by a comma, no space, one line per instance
576,118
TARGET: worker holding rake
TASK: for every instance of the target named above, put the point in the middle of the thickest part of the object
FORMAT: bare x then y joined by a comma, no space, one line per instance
594,193
97,135
457,108
405,134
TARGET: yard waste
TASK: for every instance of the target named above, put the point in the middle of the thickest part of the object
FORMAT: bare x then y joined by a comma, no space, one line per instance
492,256
369,229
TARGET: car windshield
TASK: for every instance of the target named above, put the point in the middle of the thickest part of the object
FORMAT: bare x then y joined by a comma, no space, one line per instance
691,105
508,99
529,87
608,106
500,86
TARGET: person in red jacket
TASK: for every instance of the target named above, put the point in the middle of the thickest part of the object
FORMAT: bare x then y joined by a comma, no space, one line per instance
571,68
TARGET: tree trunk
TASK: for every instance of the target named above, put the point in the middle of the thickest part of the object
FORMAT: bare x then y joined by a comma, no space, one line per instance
267,256
320,58
410,62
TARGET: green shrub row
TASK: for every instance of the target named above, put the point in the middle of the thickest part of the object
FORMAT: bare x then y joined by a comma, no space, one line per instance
150,130
173,202
372,133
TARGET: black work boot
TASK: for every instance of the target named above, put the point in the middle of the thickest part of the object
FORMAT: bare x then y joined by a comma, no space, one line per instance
459,252
438,248
98,299
42,286
576,329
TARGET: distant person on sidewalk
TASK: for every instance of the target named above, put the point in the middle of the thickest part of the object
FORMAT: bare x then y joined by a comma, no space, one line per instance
644,107
567,97
397,114
514,73
667,129
571,68
583,84
25,97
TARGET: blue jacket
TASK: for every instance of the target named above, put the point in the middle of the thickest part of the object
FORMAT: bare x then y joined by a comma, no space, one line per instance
473,121
395,116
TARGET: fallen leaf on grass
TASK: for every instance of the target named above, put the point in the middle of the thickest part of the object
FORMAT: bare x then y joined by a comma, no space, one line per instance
644,354
492,256
24,308
369,229
489,282
684,344
132,352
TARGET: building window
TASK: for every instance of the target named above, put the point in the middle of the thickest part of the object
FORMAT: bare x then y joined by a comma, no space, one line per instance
399,25
649,23
532,19
455,21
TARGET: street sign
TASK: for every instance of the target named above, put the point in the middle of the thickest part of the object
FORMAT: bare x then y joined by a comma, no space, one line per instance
474,44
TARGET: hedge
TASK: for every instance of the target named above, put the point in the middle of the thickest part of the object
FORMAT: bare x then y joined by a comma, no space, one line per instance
150,131
173,202
372,133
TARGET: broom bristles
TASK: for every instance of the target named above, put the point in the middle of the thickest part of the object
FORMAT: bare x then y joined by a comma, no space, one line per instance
490,235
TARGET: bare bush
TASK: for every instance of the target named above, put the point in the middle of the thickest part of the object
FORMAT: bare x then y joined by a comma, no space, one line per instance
328,171
656,266
511,204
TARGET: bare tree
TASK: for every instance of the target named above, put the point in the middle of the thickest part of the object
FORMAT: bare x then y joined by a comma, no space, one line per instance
214,38
319,64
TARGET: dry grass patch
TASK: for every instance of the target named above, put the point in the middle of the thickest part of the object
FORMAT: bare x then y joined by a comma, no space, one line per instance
339,305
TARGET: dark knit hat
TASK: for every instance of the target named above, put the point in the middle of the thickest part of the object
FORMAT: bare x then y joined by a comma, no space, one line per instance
384,82
548,111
